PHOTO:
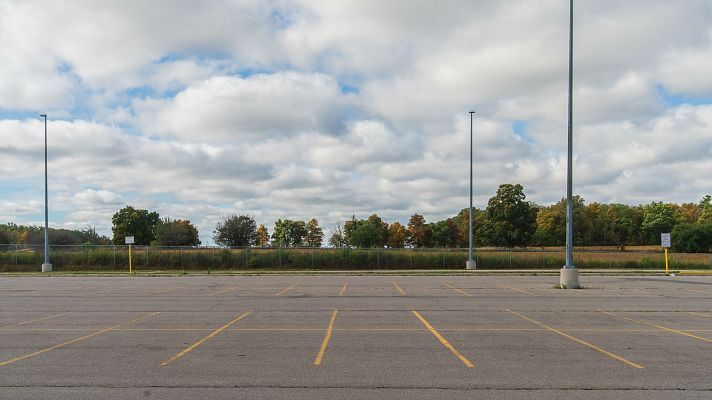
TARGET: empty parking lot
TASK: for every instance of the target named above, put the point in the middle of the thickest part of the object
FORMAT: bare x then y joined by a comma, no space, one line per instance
355,337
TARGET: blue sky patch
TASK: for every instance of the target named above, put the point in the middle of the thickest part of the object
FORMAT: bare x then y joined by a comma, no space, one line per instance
347,89
520,129
677,99
20,115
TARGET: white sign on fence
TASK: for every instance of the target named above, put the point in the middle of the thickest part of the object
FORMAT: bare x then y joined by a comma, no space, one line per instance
129,240
665,239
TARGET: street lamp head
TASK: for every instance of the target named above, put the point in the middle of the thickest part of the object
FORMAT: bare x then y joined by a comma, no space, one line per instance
43,115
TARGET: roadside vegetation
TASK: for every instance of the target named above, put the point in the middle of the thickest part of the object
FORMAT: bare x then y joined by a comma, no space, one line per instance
510,233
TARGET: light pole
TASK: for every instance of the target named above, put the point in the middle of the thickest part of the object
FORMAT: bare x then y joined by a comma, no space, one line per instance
569,274
471,264
46,266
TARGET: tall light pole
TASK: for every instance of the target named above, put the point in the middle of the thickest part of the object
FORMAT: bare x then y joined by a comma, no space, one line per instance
569,274
46,266
471,264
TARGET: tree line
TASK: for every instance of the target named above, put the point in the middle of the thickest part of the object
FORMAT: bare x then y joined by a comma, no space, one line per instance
11,233
509,220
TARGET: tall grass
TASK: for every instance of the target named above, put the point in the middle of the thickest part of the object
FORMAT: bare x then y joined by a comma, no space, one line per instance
115,258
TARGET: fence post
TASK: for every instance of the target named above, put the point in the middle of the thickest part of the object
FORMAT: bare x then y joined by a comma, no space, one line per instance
378,258
113,250
510,258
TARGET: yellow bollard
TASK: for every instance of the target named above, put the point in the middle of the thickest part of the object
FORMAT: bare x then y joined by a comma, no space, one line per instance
666,262
131,268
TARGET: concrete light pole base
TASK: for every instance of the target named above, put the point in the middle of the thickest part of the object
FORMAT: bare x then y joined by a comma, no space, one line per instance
47,267
569,278
471,264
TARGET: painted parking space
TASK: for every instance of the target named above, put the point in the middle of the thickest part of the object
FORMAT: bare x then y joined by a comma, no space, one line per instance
393,331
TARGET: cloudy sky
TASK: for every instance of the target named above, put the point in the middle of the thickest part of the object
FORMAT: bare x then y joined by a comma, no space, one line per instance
299,109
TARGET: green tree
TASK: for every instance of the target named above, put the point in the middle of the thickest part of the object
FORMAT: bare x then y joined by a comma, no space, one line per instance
297,233
510,219
551,224
610,224
692,238
129,221
279,233
418,231
626,224
262,238
705,217
350,227
64,237
397,235
381,229
236,231
371,232
658,218
315,235
705,208
445,233
462,221
176,232
289,233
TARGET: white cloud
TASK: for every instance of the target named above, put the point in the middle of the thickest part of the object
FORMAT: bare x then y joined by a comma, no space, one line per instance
686,70
298,109
232,109
12,208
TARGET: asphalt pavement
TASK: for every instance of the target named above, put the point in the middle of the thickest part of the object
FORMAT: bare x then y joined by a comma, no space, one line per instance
353,337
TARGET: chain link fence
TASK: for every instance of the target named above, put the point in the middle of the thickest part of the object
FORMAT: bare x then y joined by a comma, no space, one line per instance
19,258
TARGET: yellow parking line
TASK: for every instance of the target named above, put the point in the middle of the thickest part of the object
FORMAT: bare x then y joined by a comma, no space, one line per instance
343,290
286,290
515,289
577,340
327,336
459,290
225,290
38,352
36,320
665,328
702,314
442,340
201,341
398,288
